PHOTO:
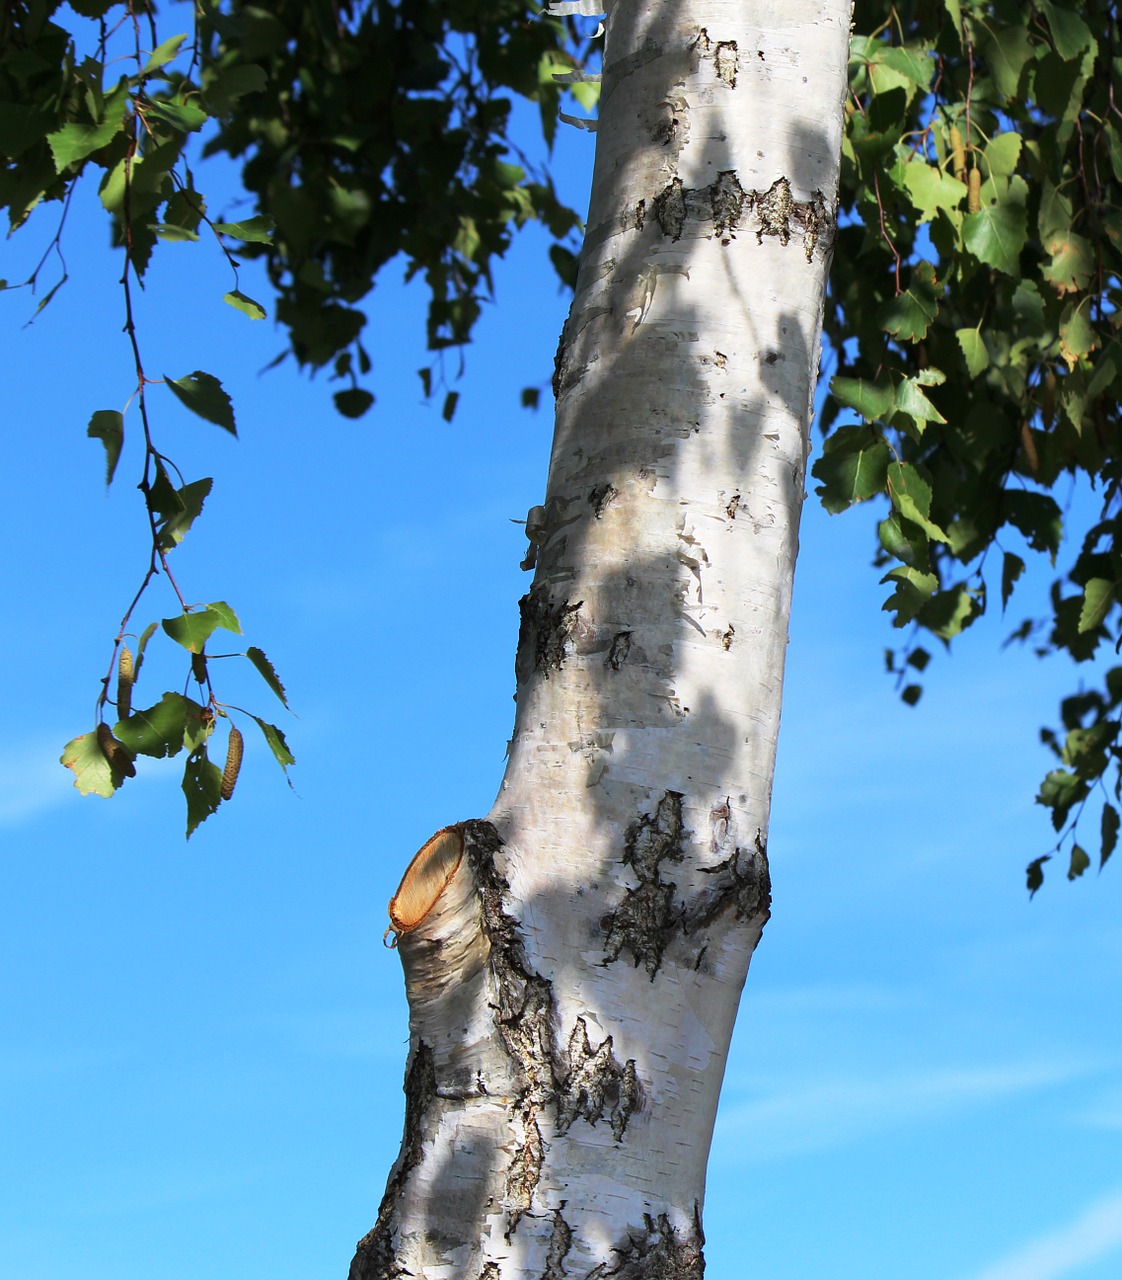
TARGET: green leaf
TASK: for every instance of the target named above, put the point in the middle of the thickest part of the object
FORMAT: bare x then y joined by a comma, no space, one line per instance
1012,567
246,305
1098,596
1002,153
108,426
93,772
1060,791
163,54
146,635
191,499
912,401
268,673
277,746
75,141
911,496
996,234
913,589
1034,873
202,393
202,786
973,350
193,630
948,613
931,189
353,402
1079,862
1110,825
450,402
257,230
158,731
872,400
1078,337
183,117
1073,261
231,83
1037,516
851,468
1007,50
1070,34
908,316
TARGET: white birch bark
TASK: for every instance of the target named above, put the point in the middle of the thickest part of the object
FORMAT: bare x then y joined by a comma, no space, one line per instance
574,962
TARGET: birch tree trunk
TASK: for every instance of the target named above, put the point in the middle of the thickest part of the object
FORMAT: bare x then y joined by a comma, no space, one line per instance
574,961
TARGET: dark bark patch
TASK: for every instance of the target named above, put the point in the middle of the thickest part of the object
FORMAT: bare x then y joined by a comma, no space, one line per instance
375,1257
544,631
560,1242
618,651
645,921
597,1085
726,201
601,497
773,208
656,1251
743,885
524,1019
670,209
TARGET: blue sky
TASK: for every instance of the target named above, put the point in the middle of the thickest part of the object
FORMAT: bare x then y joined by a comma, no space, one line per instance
201,1045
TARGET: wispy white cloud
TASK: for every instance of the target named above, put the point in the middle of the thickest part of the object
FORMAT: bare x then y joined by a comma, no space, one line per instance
1094,1235
819,1114
32,780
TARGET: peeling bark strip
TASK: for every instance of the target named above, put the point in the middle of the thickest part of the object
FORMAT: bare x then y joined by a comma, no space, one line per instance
724,202
645,921
658,1252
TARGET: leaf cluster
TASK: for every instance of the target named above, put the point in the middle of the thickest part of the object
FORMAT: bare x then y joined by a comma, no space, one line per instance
975,309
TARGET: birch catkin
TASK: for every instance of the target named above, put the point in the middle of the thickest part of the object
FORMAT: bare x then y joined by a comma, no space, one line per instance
233,762
125,676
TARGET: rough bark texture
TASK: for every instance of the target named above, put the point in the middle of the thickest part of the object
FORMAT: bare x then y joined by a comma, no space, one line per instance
573,989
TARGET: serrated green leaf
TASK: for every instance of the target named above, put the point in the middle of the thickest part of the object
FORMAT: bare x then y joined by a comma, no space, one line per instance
1060,791
909,316
277,745
184,117
108,426
193,630
1070,34
256,230
163,54
353,402
872,400
973,350
75,141
158,731
911,694
202,787
911,496
1002,153
852,469
1078,337
913,589
1110,825
1037,516
1072,264
142,644
93,773
996,234
1012,566
268,673
227,84
1034,873
1007,50
904,541
202,393
1079,862
245,304
1098,596
948,613
931,189
450,402
191,499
